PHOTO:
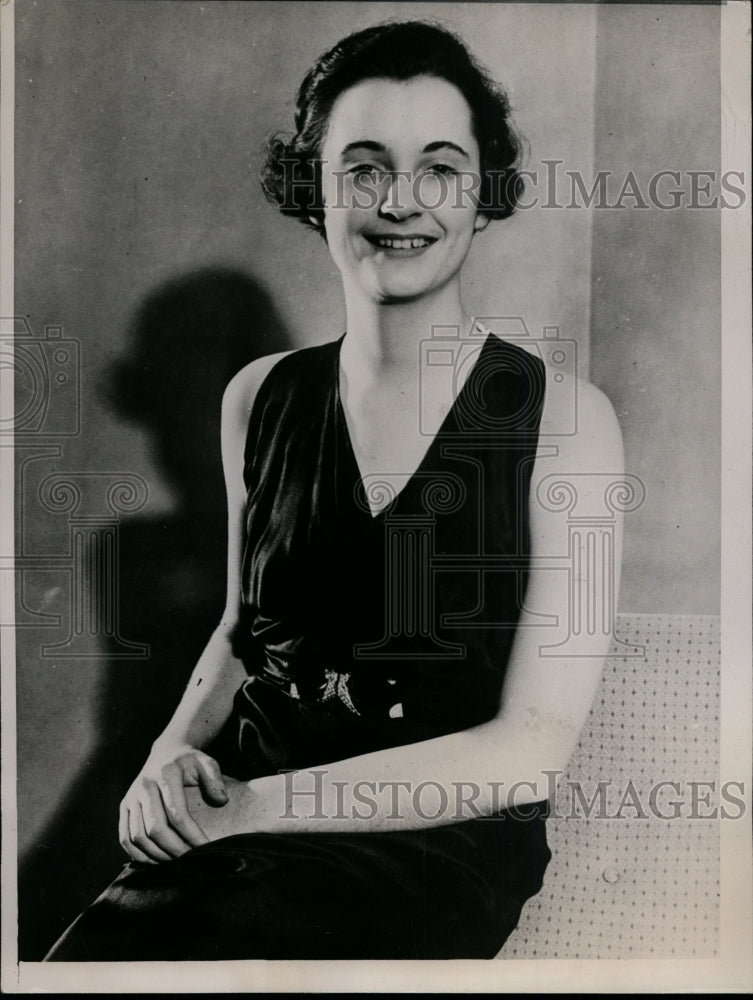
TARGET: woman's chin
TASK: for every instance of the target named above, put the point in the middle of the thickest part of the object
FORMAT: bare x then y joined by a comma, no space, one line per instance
399,288
392,297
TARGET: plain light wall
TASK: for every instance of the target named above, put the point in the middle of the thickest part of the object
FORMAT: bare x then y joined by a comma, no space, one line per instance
138,133
656,295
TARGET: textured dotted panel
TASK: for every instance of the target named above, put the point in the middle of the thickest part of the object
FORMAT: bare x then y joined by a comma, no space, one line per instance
624,882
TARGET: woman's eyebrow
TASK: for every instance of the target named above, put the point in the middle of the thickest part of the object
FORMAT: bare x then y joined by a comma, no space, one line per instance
378,147
375,147
432,147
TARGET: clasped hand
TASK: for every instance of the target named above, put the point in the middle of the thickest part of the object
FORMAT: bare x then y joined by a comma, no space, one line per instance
174,804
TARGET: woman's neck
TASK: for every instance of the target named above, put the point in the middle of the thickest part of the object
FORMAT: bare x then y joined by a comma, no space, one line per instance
384,339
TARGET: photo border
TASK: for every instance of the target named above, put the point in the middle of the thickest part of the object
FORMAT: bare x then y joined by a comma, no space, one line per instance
732,970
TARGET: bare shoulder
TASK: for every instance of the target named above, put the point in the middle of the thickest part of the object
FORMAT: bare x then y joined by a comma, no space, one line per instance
580,420
237,403
241,390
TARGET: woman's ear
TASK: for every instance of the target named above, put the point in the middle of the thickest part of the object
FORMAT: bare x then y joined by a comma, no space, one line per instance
482,221
317,222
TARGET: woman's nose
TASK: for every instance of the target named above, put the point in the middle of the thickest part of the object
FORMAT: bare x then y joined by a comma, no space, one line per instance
399,200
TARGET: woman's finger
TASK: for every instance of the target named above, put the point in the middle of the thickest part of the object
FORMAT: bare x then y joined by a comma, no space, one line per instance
211,782
124,835
138,836
157,824
173,794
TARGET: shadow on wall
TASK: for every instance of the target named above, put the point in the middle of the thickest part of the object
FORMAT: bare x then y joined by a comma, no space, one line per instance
188,340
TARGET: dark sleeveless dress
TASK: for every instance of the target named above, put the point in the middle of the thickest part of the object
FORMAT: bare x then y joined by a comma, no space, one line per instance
361,632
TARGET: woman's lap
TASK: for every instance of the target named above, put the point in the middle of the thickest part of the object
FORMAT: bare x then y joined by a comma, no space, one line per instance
454,891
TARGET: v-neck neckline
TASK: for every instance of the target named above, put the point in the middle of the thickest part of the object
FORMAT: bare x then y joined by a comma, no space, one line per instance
344,431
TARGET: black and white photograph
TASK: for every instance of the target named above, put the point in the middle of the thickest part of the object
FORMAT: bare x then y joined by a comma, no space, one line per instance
376,455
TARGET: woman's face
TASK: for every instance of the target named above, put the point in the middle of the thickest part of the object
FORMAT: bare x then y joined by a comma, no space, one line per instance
400,182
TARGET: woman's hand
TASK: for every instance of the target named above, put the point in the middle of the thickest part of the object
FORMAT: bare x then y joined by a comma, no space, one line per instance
156,823
243,811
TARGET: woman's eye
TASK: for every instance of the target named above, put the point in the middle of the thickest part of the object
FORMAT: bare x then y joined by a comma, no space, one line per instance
444,169
360,169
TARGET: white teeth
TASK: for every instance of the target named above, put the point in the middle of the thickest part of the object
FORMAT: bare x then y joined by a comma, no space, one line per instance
406,244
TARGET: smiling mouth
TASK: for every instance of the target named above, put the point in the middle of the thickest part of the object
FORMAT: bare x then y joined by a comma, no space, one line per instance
402,242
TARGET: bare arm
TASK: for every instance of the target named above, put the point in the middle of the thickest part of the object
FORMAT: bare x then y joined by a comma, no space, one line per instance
206,703
546,699
155,823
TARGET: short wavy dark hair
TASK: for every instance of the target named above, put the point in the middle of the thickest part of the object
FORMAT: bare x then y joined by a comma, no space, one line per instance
396,50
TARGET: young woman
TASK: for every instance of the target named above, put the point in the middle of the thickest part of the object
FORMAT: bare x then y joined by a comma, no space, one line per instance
379,655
